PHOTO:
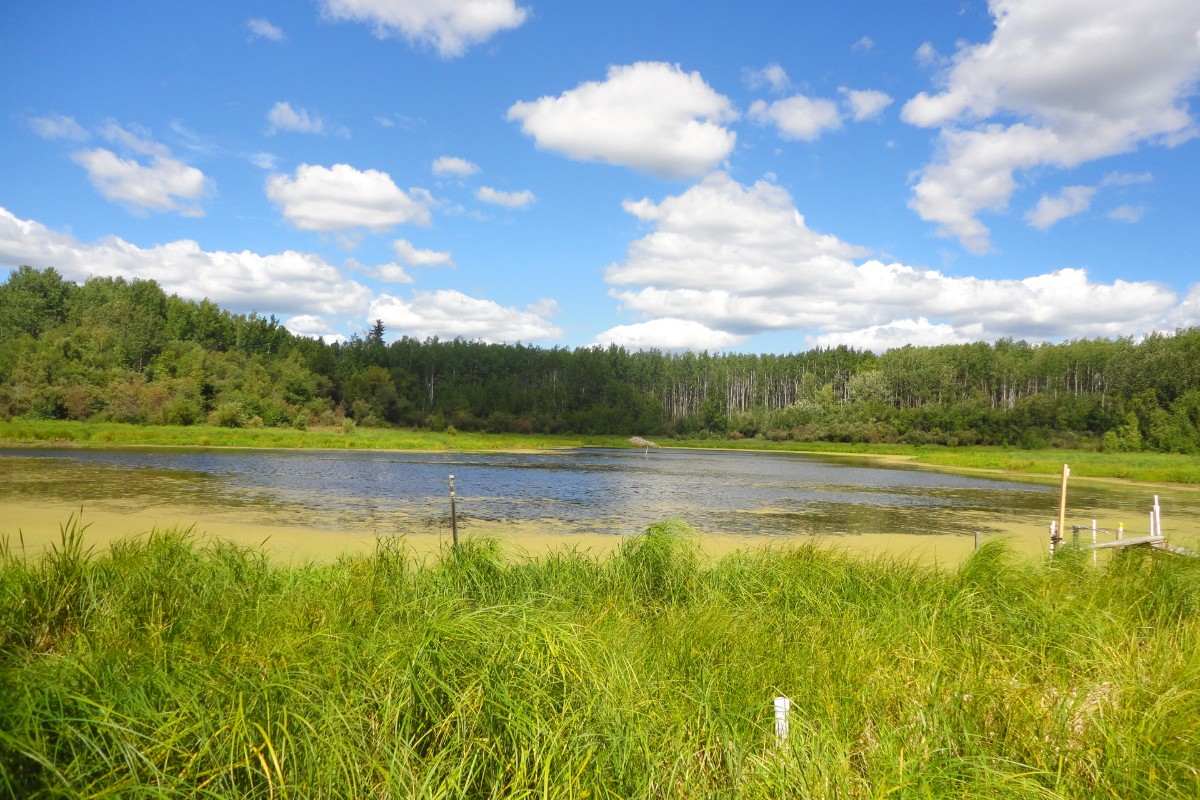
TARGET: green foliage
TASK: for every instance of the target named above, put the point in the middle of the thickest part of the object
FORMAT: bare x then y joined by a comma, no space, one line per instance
121,350
164,667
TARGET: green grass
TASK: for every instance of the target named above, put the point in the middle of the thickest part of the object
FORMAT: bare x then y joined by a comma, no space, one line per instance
116,434
1155,467
165,669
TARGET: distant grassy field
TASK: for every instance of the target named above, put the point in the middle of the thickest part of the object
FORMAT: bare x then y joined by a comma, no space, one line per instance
115,434
162,668
1155,467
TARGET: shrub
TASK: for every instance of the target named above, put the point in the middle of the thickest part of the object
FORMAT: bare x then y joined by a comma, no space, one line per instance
228,415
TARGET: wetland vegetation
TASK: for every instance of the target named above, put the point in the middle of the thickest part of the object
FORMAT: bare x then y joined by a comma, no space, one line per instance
163,667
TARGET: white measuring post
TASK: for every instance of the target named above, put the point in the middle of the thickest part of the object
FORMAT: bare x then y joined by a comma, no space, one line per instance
1120,531
783,710
1157,518
1095,557
1052,537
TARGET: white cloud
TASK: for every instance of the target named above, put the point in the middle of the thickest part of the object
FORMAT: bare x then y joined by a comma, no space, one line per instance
1050,210
263,29
507,199
453,165
865,104
741,259
341,197
58,126
1127,213
283,117
267,161
287,283
313,327
450,26
927,55
772,76
798,117
918,332
416,257
1127,178
667,334
449,314
864,44
1085,79
650,116
163,184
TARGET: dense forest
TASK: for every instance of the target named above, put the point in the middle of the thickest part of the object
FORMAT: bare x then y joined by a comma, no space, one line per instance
118,350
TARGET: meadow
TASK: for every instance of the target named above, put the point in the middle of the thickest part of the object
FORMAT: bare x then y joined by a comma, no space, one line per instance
165,667
1137,466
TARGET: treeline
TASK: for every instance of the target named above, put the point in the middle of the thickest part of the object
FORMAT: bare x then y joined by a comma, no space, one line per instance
126,351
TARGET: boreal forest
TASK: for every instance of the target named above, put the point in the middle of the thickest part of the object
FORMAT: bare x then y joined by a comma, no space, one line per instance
126,351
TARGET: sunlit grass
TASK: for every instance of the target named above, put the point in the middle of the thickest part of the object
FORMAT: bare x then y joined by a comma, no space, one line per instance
163,668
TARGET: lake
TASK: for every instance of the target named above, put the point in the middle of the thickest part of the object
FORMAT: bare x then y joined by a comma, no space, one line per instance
584,492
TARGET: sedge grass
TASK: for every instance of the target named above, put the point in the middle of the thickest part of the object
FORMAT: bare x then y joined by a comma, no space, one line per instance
163,668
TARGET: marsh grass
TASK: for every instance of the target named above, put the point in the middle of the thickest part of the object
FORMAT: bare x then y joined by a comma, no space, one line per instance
164,667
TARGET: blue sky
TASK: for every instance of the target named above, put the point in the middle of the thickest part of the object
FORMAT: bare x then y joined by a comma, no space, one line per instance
670,174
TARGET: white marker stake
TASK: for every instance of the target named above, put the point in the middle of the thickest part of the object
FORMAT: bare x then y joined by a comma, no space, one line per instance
1157,518
783,708
1094,558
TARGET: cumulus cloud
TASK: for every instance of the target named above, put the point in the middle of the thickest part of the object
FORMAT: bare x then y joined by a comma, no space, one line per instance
449,26
1052,209
917,332
313,327
741,259
1058,84
262,160
507,199
453,165
798,117
260,28
283,117
58,126
667,334
160,183
650,116
863,44
340,197
865,104
289,282
416,257
927,55
772,77
1127,214
450,314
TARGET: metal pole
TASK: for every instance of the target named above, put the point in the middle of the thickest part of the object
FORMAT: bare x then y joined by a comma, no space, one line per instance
453,515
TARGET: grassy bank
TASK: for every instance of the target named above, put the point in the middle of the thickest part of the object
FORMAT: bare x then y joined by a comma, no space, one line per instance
165,669
1152,467
116,434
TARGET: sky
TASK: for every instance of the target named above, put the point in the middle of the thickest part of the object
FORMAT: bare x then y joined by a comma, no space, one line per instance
679,175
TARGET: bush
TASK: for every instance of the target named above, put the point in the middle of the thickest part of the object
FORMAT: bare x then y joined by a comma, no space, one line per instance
228,415
348,425
300,421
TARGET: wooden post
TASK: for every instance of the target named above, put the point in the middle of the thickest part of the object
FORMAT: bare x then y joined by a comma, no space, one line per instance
1053,537
976,540
453,515
1062,503
783,708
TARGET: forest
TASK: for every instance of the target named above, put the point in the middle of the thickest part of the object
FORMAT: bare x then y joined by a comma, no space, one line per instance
126,351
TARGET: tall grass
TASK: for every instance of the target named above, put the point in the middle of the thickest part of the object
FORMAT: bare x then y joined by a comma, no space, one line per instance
166,668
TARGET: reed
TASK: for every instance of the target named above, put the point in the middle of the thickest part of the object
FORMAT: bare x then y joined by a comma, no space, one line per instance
163,667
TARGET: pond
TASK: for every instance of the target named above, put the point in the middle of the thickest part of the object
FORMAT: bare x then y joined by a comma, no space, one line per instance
583,491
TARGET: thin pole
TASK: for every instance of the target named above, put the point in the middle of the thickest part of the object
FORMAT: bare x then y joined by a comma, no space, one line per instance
453,515
1095,556
976,540
1053,538
1120,531
783,709
1157,518
1062,502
